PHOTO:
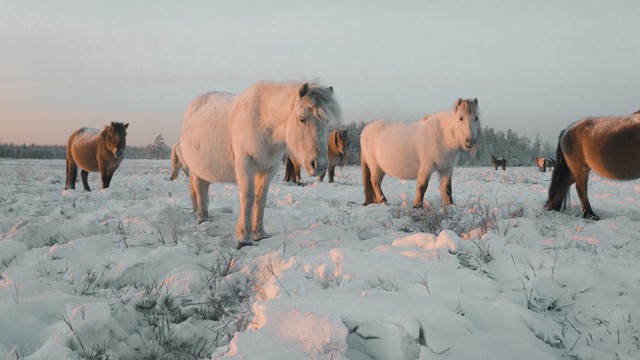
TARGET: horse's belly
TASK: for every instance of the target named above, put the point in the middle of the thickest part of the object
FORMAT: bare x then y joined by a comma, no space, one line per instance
399,164
206,148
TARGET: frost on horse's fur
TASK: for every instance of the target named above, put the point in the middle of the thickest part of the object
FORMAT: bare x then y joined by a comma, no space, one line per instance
415,150
242,139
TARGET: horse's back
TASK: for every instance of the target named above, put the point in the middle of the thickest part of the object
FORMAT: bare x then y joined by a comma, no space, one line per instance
82,148
205,143
607,145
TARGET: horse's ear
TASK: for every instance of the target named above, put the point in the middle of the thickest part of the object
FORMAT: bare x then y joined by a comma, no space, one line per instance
126,126
330,90
113,124
304,90
475,101
459,102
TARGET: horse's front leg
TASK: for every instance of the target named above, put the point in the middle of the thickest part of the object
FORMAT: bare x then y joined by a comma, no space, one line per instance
262,181
445,187
424,175
332,172
245,173
85,179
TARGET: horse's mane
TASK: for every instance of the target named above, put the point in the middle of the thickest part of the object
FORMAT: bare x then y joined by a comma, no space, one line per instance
320,99
637,112
470,106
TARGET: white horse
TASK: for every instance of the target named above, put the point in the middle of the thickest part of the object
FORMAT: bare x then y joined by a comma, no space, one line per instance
415,150
242,139
177,162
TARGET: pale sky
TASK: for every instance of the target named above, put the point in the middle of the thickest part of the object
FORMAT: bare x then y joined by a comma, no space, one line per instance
535,66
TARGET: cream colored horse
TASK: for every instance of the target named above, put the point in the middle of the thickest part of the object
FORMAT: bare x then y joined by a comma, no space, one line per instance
242,139
177,162
415,150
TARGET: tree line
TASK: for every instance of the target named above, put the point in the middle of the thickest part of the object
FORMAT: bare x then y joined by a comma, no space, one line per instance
157,150
518,150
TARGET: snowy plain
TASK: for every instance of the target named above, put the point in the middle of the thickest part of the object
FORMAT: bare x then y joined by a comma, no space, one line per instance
125,273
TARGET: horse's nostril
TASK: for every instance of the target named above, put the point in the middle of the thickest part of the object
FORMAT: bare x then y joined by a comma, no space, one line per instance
313,164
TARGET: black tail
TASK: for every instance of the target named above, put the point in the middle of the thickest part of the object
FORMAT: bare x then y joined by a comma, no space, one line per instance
561,179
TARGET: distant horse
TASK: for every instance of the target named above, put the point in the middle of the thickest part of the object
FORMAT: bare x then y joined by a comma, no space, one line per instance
242,138
543,163
415,150
338,142
177,162
606,145
499,162
96,151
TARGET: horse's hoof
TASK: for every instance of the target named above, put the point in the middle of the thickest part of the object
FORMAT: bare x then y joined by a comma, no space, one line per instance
242,244
591,216
200,221
261,235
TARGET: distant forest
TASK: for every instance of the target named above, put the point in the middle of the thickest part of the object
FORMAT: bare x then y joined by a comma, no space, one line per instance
518,150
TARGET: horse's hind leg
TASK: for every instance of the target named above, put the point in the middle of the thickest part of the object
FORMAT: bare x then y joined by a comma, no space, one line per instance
84,175
72,174
581,187
377,175
200,198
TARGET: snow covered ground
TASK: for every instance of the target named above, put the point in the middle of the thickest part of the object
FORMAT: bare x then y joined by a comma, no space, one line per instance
126,273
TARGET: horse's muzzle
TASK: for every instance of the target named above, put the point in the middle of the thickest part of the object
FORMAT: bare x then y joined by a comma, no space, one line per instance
470,142
317,167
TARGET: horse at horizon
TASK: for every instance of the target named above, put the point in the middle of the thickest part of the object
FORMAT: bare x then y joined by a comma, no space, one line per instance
607,145
499,162
338,143
543,163
228,138
417,149
177,162
93,150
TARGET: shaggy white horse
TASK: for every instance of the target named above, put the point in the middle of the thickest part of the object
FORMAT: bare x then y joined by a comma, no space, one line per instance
415,150
242,139
177,162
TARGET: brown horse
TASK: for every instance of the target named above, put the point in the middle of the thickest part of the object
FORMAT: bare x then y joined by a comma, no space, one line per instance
96,151
497,162
338,142
606,145
543,163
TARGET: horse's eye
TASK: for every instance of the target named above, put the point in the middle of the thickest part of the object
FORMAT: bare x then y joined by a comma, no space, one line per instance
460,118
302,119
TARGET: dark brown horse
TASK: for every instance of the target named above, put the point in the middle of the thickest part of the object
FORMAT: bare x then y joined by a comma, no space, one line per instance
96,151
606,145
338,142
543,163
497,162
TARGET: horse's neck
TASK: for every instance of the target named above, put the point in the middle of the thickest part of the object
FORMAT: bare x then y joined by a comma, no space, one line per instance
442,125
274,110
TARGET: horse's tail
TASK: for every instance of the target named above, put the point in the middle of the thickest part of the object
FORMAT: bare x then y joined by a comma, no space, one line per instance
366,179
175,164
561,179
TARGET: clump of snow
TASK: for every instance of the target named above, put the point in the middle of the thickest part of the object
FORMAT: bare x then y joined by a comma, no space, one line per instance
126,272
